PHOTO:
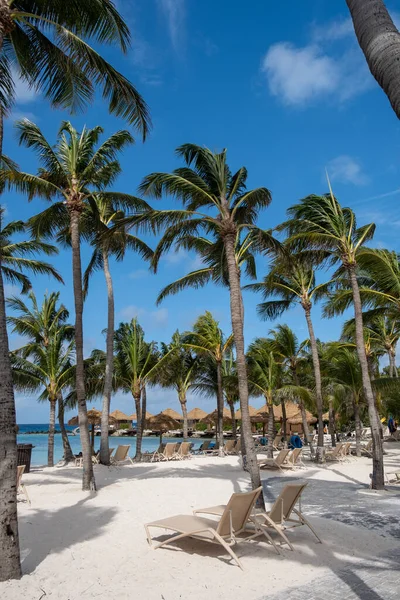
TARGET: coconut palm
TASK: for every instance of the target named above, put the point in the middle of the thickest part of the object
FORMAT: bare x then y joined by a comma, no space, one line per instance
39,324
215,201
325,228
71,173
16,259
179,371
379,40
110,239
207,339
48,368
230,386
291,281
286,346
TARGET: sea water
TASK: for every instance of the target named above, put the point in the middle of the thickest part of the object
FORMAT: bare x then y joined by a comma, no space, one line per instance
39,440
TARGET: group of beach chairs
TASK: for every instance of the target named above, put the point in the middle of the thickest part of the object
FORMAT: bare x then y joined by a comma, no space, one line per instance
239,521
285,459
170,451
121,455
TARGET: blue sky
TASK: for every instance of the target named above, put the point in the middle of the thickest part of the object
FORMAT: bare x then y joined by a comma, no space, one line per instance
288,97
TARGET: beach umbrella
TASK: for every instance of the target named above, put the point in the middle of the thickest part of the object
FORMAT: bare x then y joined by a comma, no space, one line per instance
94,418
298,420
170,412
118,415
133,417
212,417
292,410
162,423
253,412
196,414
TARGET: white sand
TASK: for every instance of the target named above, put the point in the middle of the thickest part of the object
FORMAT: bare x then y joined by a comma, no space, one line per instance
76,546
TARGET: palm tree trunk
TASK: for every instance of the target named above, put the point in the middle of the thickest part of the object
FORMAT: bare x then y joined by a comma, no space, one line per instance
378,482
356,410
307,437
68,454
233,418
144,408
271,430
88,481
380,42
332,426
237,314
105,411
284,419
371,373
220,410
50,440
10,567
182,400
139,430
392,364
318,384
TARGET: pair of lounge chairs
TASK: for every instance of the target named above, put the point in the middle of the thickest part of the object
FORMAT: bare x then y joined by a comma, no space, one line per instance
20,485
339,453
286,459
95,457
237,522
172,451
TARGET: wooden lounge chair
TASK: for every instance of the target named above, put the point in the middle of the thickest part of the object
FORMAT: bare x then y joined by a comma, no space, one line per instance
21,486
366,450
168,452
203,447
183,451
225,531
277,443
279,517
96,457
335,453
294,458
276,463
121,455
229,447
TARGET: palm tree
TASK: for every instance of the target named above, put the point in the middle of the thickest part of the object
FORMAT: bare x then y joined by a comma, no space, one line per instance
136,365
39,324
291,281
379,40
71,173
179,371
45,44
320,224
15,259
230,387
48,368
103,223
286,346
214,201
207,339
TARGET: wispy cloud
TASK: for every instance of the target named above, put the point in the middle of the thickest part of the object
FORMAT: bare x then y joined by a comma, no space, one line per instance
174,11
346,169
23,92
336,30
139,274
154,317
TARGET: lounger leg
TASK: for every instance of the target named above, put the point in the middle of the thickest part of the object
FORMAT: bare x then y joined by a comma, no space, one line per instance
306,522
279,531
149,539
26,493
228,549
271,540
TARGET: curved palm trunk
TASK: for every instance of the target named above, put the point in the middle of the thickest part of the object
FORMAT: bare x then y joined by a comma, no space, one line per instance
50,441
233,418
307,437
318,385
378,482
379,40
68,454
356,410
88,481
371,373
10,567
139,430
144,408
392,364
271,430
332,426
237,312
284,419
220,410
182,400
105,411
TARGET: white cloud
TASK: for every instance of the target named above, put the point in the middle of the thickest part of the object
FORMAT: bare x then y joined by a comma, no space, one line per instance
299,74
158,317
174,10
23,93
346,169
139,274
11,290
336,30
175,257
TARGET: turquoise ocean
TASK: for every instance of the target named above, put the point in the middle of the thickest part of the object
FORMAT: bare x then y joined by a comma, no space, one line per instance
39,440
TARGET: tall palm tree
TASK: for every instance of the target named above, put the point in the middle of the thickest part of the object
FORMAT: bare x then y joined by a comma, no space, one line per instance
48,368
179,371
110,239
214,200
71,173
230,387
379,40
39,324
45,44
207,339
291,281
324,227
285,344
16,258
136,365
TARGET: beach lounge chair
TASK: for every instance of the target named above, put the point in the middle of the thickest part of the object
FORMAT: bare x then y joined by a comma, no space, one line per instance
335,453
393,477
294,458
204,446
21,486
279,517
238,447
121,455
96,457
225,531
183,451
277,443
229,447
279,462
167,454
366,450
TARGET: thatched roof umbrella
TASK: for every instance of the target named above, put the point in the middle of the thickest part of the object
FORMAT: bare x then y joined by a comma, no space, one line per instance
133,417
162,423
213,417
118,415
196,414
94,418
170,412
253,413
298,420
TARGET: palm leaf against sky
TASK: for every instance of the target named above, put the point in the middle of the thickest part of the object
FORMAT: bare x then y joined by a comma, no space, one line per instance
48,44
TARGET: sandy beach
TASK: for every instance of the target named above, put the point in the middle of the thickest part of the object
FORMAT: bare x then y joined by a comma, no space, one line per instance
76,545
